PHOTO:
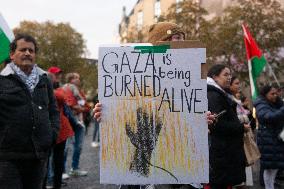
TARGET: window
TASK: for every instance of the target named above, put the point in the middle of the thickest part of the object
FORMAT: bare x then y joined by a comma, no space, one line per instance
179,9
198,2
139,20
157,8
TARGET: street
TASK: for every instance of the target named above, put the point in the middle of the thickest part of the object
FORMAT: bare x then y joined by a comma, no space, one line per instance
90,162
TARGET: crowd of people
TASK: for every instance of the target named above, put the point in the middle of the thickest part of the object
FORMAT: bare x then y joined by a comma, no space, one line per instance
41,118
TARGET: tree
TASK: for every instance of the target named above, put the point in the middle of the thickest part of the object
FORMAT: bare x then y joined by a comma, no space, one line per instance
189,15
60,45
265,20
134,36
223,35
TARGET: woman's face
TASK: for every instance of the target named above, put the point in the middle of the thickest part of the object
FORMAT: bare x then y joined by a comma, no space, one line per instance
177,37
272,95
224,78
238,96
235,86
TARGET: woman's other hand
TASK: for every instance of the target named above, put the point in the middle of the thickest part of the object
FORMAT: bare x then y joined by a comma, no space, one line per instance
98,112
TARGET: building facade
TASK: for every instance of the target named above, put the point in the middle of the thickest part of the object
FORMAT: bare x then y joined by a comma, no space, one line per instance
146,13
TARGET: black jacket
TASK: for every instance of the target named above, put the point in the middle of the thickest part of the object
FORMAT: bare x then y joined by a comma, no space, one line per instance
29,123
226,151
271,122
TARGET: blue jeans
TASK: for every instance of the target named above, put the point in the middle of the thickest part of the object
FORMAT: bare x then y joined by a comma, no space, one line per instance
96,131
77,146
77,140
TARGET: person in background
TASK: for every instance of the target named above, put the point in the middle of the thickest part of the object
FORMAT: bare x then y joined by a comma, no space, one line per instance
96,134
245,117
270,115
56,164
245,104
29,118
76,100
236,96
226,151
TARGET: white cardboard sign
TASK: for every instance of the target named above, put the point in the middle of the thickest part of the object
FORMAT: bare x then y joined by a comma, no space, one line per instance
153,128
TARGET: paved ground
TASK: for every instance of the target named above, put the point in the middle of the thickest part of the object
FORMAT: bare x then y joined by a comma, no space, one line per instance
90,163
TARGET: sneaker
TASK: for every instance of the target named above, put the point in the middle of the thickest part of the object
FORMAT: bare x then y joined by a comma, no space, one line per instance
63,184
65,176
149,186
77,173
49,187
95,144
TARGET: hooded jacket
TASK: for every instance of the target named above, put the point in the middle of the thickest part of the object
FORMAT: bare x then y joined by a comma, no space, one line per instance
271,122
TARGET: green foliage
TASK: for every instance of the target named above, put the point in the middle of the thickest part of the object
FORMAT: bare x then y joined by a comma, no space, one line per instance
265,21
190,16
61,45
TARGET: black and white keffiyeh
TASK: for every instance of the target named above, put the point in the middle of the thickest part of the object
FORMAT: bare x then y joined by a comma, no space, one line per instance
30,80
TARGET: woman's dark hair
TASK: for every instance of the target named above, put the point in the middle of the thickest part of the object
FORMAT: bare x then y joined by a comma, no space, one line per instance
266,88
26,37
233,79
216,70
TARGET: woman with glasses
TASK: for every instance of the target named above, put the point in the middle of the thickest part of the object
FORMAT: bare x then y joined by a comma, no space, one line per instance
226,151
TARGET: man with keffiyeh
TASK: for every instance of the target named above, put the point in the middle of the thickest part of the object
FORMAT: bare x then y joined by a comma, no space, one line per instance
29,118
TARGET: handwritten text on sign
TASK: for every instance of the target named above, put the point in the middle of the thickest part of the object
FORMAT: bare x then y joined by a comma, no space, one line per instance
153,128
132,73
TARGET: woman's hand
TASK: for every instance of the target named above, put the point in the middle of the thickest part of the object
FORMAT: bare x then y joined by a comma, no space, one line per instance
247,127
210,118
98,112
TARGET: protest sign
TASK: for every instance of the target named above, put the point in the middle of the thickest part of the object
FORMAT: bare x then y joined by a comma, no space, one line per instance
153,128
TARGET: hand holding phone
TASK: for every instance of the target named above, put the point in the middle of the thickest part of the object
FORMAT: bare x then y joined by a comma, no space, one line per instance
220,114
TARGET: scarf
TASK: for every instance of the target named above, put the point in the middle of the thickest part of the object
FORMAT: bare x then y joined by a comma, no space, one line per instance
30,80
241,112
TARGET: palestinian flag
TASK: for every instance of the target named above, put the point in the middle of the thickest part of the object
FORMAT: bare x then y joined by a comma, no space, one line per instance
6,36
256,61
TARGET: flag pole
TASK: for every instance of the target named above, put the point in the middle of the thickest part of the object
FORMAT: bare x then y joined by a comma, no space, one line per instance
273,74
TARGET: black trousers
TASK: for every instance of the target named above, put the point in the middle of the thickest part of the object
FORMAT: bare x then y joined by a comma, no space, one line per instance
218,186
22,174
58,164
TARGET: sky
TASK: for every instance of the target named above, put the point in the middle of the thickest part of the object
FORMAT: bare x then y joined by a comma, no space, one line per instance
96,20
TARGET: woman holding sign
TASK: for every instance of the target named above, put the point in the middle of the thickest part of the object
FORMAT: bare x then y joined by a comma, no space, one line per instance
226,151
163,31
